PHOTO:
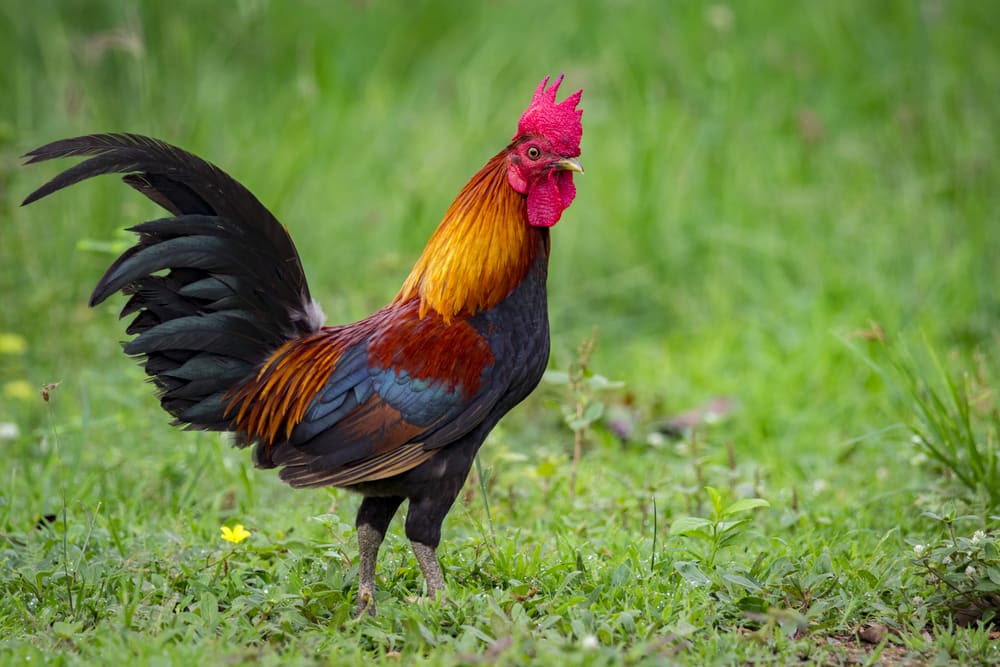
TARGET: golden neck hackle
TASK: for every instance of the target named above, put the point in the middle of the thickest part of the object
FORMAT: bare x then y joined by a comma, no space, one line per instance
479,253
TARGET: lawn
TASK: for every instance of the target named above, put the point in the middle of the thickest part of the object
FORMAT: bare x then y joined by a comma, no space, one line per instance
784,250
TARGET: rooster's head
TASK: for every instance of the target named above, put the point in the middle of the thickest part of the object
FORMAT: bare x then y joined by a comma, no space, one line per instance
544,152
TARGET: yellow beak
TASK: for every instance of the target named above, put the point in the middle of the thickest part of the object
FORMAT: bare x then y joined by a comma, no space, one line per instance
569,164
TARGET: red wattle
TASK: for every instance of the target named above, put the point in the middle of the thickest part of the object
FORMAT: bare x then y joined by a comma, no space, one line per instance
548,197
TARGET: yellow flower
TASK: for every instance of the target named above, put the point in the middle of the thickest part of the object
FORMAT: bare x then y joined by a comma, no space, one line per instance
12,343
236,534
20,390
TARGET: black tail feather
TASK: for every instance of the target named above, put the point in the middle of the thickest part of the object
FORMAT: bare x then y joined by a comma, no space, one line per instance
233,289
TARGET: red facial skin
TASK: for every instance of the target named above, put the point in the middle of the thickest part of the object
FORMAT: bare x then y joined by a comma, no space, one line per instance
534,170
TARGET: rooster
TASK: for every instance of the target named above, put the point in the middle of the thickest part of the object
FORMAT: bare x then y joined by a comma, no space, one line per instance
394,406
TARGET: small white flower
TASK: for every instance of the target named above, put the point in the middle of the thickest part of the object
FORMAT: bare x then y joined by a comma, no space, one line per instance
917,600
978,536
916,439
947,560
655,439
918,549
9,431
970,572
589,643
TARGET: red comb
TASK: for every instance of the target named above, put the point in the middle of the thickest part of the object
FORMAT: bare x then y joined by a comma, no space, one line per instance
559,123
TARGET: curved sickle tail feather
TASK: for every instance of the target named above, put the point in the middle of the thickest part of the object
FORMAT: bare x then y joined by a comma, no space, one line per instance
233,290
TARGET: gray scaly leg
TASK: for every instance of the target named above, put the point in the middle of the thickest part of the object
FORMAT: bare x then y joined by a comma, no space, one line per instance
369,541
429,565
373,520
423,527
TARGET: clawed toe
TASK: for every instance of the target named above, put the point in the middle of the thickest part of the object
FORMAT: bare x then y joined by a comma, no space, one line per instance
366,605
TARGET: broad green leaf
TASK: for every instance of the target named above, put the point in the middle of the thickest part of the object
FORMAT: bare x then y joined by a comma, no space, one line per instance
691,573
745,505
728,538
556,377
726,526
687,524
869,578
598,382
594,412
753,604
987,586
743,581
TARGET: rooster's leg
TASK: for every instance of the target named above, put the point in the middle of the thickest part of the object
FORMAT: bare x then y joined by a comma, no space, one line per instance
423,527
373,520
429,565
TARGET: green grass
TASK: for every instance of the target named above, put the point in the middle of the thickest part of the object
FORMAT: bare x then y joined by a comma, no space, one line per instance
764,180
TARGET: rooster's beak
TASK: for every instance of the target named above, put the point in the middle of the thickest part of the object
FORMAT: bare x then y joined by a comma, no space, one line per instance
569,164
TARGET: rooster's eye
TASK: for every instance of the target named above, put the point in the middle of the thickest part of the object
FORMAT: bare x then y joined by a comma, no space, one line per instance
533,152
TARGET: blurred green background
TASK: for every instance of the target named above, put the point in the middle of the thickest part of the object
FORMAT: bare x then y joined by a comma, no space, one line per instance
770,186
762,179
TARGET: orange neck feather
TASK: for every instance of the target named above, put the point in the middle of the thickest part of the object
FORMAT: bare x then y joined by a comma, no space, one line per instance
479,253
